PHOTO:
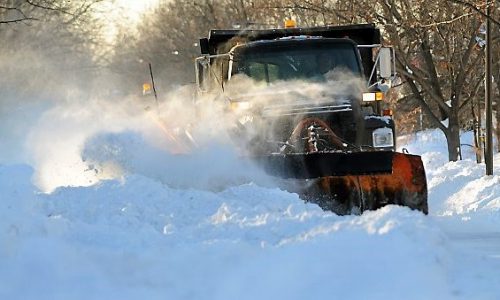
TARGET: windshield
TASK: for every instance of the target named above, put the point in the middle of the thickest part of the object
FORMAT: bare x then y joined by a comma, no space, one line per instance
288,61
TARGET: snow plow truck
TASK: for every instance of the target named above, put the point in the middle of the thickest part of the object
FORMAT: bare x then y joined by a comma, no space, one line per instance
302,114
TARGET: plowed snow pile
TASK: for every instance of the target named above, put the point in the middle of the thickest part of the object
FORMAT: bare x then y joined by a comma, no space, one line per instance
214,228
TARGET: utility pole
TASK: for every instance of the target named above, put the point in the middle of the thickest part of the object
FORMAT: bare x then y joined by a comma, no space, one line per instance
488,156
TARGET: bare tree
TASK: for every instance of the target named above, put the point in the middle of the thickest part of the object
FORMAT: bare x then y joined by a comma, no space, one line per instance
479,6
16,11
52,44
169,40
438,57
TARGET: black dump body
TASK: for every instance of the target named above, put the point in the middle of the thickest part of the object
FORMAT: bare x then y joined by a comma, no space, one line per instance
221,41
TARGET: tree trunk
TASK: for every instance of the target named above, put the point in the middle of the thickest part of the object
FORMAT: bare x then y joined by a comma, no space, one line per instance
497,81
476,128
497,131
453,139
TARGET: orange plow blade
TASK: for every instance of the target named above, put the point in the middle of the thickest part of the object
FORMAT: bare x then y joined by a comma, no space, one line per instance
347,183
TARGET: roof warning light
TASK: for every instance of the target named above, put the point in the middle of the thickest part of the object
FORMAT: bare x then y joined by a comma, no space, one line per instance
289,23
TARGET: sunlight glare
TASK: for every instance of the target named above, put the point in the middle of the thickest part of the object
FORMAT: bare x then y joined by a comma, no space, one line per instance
123,13
134,8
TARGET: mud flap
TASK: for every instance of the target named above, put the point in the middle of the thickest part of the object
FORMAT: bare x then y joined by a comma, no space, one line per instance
347,183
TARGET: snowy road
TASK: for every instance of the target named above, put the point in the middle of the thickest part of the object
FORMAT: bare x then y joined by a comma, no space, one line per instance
477,275
481,244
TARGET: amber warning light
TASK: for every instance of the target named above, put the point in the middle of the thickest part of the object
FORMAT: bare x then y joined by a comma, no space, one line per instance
146,89
289,23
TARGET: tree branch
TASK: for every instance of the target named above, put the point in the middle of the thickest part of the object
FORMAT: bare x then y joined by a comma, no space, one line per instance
425,105
46,7
17,20
476,9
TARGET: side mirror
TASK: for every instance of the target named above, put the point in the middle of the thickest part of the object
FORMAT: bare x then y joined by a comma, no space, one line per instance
386,63
204,46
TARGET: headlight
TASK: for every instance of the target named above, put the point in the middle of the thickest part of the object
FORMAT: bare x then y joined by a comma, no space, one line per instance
370,97
382,137
240,105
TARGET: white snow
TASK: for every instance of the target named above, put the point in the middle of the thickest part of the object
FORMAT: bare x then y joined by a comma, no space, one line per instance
173,228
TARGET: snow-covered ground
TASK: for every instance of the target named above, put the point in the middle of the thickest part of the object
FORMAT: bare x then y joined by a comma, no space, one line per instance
169,228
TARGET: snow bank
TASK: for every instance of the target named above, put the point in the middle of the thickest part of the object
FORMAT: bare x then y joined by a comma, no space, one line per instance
140,238
459,188
465,205
150,234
